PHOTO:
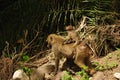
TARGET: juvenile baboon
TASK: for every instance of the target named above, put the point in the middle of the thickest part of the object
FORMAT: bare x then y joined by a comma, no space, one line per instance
73,34
81,55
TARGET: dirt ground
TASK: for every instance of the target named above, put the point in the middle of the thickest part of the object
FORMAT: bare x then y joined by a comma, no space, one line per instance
107,66
111,64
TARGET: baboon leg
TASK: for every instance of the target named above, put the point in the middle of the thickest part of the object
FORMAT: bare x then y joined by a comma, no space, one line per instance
82,65
80,62
76,43
56,64
88,62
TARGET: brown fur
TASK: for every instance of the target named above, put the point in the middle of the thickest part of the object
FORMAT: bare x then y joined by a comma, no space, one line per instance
72,34
81,56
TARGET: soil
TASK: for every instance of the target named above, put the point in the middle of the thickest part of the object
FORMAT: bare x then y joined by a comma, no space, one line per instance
107,66
111,63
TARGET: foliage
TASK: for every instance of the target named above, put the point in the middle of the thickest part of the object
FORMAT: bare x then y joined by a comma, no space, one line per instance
106,66
18,17
67,76
71,11
50,17
27,70
108,62
25,58
82,73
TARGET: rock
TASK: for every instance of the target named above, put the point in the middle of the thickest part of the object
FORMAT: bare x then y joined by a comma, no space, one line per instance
36,75
98,76
20,75
39,73
59,75
116,75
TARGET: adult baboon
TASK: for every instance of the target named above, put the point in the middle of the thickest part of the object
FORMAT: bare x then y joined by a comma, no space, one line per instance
80,54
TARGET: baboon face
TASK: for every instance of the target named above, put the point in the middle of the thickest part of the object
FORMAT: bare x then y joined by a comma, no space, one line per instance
50,40
53,39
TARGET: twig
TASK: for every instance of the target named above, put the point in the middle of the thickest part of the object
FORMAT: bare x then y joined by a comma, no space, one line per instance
36,63
21,53
6,49
37,55
82,24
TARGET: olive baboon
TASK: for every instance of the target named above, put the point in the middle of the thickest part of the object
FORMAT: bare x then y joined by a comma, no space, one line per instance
81,55
72,33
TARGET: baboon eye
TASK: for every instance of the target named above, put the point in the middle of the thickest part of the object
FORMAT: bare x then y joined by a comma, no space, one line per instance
51,38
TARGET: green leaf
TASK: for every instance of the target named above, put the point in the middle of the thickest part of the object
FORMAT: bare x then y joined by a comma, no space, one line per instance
25,58
27,70
67,76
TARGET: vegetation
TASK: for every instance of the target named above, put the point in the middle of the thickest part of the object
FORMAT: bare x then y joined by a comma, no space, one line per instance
21,19
82,76
106,66
25,24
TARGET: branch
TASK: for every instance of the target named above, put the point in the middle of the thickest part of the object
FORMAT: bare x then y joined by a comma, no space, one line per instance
26,46
36,63
38,54
82,24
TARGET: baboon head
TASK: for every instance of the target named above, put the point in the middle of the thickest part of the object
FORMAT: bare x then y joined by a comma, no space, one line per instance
53,39
50,40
